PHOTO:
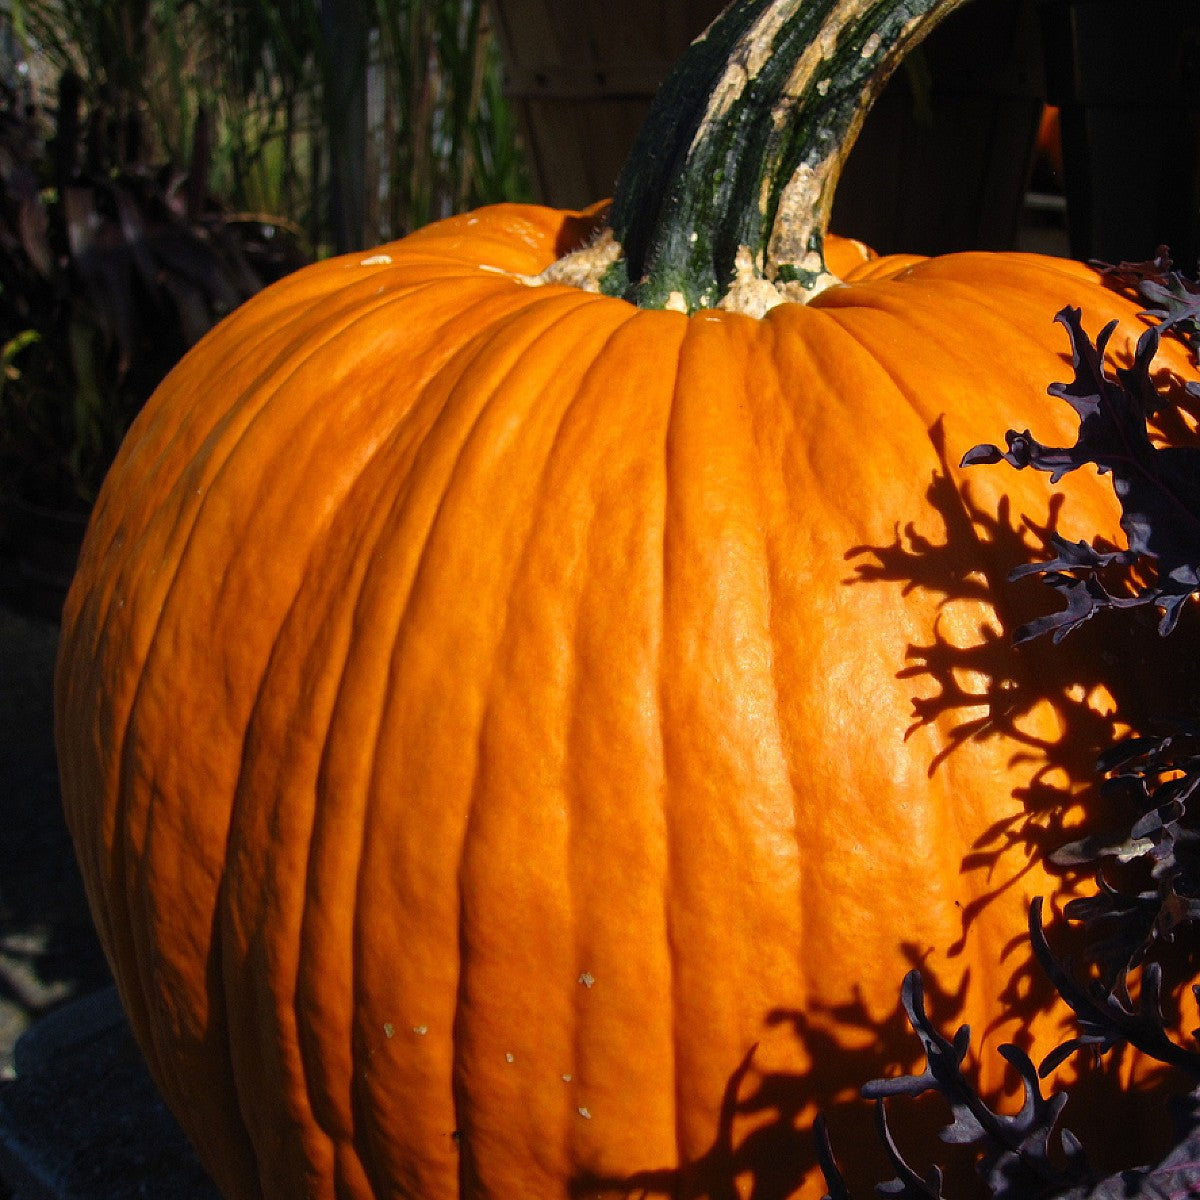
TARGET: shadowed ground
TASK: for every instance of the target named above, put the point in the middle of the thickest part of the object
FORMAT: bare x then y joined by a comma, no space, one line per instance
79,1117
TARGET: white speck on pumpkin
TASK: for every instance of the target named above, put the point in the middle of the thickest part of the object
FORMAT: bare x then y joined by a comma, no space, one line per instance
566,1079
389,1030
377,260
587,1116
587,979
420,1030
509,1057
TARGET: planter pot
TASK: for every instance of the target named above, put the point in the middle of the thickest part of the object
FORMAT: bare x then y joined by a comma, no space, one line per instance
1126,78
39,548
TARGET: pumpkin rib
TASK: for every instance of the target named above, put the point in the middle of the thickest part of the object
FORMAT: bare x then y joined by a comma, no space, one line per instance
233,450
474,353
175,1075
984,971
809,319
307,1110
715,732
579,756
564,401
120,939
682,1005
777,586
451,488
659,1118
671,872
637,818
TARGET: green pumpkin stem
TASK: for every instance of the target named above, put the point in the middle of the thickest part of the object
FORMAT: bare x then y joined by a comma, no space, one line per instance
727,193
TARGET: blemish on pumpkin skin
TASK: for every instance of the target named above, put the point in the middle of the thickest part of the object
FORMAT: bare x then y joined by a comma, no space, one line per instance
377,260
420,1030
587,979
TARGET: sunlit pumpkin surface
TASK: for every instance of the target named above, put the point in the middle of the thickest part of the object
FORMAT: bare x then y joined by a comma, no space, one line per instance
517,743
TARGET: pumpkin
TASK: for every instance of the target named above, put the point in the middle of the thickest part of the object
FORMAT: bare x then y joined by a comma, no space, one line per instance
530,692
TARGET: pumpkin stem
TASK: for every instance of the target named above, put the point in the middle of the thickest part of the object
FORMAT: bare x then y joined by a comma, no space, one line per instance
725,199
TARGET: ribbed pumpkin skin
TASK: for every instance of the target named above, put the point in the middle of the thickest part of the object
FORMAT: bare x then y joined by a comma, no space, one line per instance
482,719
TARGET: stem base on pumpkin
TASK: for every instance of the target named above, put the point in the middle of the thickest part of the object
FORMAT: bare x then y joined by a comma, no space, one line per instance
725,200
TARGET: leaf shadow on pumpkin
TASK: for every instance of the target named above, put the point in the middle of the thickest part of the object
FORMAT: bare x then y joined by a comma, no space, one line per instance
764,1146
1124,658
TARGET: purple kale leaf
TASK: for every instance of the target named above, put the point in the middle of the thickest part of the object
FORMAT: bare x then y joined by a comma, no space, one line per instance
1158,489
1106,1012
1175,301
1172,299
1013,1149
1155,778
1177,1175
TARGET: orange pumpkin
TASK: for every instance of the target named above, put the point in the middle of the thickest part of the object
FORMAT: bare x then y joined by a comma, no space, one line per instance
517,741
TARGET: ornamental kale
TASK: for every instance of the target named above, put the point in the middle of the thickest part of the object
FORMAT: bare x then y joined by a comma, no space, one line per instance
1016,1149
1158,487
1153,777
1148,874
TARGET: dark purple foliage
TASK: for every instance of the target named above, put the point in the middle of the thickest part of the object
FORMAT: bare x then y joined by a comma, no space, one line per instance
1158,487
1148,872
